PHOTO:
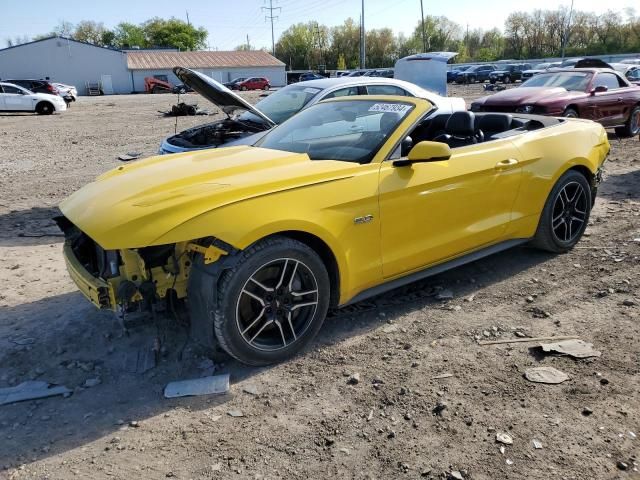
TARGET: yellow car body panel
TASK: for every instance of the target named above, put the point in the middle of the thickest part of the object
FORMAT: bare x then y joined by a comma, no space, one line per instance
380,222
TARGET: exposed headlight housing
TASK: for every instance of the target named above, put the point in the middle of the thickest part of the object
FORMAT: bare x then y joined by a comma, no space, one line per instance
525,109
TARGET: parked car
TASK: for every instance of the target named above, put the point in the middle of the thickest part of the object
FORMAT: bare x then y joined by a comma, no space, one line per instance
234,83
182,88
68,92
539,68
247,123
14,98
509,73
631,61
383,73
310,76
598,94
357,73
475,73
350,198
253,83
35,86
454,72
630,71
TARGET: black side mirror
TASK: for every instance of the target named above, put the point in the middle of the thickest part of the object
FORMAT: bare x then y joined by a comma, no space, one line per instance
405,146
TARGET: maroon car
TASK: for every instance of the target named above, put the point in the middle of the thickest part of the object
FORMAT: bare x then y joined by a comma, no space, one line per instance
598,94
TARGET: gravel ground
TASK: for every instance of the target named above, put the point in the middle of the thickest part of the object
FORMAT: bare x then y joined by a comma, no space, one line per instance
305,418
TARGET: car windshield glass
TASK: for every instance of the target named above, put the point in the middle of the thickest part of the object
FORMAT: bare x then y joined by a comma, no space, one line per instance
282,104
572,81
541,66
351,131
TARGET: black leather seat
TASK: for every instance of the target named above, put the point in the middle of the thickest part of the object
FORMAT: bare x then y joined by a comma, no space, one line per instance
460,130
493,123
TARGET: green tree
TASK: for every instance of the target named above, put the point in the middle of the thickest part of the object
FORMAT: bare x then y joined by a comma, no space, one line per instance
128,35
174,33
90,32
295,45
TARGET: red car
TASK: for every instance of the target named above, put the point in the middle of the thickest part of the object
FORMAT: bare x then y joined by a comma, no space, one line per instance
253,83
598,94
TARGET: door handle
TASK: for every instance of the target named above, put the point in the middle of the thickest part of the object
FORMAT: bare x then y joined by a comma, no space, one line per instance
506,164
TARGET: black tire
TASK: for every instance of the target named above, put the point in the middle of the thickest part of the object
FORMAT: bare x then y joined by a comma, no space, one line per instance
569,219
155,90
45,108
632,127
492,81
570,113
266,87
245,308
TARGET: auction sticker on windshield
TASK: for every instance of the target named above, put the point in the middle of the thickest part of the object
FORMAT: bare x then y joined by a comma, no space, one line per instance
390,107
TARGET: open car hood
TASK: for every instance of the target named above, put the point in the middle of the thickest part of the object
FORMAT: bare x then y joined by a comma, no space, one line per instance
218,94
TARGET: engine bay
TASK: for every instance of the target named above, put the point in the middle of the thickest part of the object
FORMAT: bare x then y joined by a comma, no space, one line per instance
215,134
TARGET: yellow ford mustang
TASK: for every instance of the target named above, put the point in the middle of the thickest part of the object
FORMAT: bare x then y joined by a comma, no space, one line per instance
349,198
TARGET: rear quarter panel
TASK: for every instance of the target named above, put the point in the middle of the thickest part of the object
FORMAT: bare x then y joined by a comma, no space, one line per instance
546,155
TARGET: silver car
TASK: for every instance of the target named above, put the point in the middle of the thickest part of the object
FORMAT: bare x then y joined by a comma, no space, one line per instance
246,124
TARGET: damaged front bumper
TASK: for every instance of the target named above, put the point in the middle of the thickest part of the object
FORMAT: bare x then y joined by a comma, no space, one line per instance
99,292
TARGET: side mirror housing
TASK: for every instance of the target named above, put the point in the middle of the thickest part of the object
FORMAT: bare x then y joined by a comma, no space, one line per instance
426,152
599,89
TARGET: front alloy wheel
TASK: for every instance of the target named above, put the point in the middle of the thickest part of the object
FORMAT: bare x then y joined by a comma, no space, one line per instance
268,306
277,304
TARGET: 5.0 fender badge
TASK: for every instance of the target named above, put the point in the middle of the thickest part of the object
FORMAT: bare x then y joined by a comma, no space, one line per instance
365,219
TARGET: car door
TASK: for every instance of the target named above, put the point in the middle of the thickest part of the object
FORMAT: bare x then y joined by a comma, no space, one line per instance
607,107
431,212
17,100
2,107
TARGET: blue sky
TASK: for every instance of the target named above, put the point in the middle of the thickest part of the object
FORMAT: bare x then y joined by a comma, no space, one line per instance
229,22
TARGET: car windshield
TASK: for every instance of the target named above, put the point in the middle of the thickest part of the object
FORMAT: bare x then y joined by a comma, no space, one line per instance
282,104
350,131
572,81
541,66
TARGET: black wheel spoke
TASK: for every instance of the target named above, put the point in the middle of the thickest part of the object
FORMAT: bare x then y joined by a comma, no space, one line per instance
277,304
569,212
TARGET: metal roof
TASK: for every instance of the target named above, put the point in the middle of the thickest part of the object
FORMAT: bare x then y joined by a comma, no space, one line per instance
155,60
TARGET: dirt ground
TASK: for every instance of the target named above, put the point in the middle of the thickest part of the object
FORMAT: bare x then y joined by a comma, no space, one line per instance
303,419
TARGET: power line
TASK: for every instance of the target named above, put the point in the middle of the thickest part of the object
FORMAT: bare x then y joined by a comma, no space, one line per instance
271,17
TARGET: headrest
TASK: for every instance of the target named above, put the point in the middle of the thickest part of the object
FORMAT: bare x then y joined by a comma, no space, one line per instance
461,124
495,122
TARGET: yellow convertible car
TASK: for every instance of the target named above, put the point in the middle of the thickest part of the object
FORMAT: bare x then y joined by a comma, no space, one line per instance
349,198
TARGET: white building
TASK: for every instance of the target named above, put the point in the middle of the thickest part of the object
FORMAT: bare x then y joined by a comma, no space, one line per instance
77,63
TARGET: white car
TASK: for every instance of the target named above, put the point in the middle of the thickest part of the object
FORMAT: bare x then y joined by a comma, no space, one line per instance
67,91
17,99
247,123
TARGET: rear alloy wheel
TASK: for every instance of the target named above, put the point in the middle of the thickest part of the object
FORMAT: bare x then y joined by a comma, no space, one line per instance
272,303
565,214
632,127
244,89
266,87
570,113
44,108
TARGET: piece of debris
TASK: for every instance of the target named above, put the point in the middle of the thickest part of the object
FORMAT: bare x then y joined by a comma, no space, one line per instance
235,413
184,110
504,438
536,444
439,408
125,157
140,361
520,340
92,382
586,411
545,375
443,375
40,234
353,379
251,390
31,390
444,295
455,475
622,465
574,348
214,385
627,302
508,461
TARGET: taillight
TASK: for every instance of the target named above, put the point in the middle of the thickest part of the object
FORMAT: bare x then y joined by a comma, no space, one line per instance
52,89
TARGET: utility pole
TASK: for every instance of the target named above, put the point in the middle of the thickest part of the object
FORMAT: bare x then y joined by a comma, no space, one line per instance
565,34
271,17
363,40
424,38
248,44
188,22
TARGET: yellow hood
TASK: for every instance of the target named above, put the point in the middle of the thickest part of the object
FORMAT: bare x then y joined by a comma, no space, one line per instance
136,204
